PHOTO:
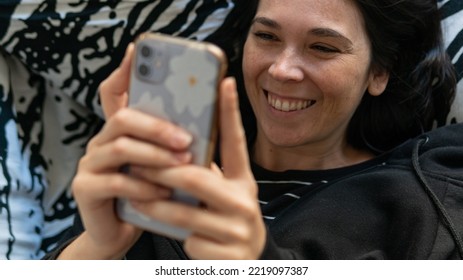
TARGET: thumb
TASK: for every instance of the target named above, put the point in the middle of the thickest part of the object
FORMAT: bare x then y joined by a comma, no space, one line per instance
233,148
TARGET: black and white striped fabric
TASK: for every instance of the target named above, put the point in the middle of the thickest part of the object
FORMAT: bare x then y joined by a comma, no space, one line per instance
452,25
53,56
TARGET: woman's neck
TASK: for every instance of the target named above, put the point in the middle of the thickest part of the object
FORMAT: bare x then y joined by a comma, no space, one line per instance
307,157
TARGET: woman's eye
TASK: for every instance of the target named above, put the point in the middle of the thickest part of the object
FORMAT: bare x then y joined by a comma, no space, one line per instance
265,36
325,49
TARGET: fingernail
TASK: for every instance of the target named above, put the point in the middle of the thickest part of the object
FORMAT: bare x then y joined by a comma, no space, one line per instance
182,139
183,157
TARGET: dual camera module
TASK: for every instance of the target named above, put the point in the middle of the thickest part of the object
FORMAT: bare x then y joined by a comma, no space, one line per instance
150,63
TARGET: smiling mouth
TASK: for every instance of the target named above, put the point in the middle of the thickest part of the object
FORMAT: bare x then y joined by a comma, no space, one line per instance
286,105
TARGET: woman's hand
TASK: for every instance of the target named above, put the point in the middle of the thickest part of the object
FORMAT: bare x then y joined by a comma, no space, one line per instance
230,226
133,138
129,137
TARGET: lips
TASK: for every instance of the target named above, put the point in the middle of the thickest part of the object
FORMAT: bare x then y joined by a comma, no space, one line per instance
288,105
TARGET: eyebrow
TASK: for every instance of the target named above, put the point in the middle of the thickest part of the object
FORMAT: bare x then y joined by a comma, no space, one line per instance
328,32
267,22
320,32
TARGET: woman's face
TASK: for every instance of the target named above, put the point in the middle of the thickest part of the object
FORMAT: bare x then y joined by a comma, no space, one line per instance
306,67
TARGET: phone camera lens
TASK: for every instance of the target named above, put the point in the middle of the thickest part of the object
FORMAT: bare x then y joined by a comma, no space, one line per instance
144,70
146,51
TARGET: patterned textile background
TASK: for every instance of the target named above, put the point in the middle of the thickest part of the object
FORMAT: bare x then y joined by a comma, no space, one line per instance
452,25
53,55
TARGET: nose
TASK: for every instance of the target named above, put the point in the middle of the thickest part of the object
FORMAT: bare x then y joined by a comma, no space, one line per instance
287,67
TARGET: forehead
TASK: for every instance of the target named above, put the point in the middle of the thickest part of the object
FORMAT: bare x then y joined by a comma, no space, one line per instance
341,15
326,6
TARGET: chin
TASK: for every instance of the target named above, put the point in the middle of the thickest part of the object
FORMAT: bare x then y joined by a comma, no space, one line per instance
284,139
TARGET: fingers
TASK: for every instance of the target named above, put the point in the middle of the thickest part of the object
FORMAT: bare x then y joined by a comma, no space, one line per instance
132,137
127,150
111,185
129,122
207,186
213,235
113,90
200,248
234,152
207,224
192,179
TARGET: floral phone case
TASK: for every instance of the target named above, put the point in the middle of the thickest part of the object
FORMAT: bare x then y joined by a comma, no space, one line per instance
176,79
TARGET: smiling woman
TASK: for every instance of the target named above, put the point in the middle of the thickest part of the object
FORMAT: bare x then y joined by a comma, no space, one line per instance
327,71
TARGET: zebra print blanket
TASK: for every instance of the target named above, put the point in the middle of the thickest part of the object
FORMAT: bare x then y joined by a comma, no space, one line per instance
53,55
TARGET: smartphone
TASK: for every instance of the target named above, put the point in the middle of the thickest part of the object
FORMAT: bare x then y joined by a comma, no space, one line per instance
176,79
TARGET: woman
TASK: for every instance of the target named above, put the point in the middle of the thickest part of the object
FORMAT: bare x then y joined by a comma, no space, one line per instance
336,87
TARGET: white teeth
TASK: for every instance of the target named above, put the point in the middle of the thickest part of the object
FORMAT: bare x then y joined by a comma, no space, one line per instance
293,106
278,104
287,106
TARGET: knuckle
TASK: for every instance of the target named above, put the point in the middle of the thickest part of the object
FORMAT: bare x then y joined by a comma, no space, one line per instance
80,186
119,121
102,88
77,184
93,142
120,117
119,146
245,208
82,163
240,233
116,183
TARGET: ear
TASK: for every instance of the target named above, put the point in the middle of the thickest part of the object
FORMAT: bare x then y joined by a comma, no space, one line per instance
378,82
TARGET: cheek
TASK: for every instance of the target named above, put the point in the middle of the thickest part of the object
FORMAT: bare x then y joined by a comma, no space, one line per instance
344,95
343,81
252,68
342,92
249,62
